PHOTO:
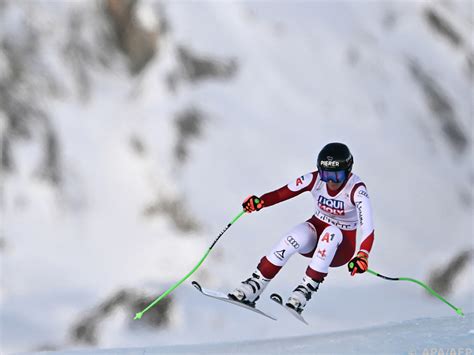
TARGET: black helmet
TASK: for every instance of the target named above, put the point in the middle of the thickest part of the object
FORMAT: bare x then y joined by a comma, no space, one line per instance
335,162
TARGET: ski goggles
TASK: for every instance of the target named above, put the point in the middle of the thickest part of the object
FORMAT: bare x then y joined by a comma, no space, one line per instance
334,176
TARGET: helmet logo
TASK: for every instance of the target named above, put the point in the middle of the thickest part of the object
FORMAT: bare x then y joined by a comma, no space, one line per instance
329,164
330,158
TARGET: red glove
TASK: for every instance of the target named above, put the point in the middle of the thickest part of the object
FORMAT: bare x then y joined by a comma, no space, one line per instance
252,204
359,264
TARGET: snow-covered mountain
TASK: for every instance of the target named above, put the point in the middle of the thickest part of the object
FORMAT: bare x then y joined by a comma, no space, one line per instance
127,145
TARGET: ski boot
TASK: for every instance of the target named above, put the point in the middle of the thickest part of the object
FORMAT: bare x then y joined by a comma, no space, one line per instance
249,291
302,294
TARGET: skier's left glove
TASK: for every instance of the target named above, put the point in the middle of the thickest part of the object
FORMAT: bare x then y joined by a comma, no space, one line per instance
359,264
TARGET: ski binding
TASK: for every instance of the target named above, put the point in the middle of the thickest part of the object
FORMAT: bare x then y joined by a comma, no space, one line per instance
277,299
223,297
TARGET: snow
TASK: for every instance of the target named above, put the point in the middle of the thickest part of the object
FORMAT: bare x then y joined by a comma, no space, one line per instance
445,335
296,89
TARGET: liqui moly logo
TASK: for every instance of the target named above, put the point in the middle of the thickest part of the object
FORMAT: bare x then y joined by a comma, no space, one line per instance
335,207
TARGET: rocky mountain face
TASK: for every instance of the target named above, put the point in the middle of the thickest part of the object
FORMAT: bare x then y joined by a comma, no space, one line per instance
104,105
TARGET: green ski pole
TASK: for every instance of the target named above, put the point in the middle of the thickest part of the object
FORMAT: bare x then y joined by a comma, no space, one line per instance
168,291
429,289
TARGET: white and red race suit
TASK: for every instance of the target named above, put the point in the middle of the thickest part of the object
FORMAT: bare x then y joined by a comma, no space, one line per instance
329,236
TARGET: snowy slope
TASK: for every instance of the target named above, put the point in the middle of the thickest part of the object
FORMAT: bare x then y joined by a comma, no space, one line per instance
307,74
425,335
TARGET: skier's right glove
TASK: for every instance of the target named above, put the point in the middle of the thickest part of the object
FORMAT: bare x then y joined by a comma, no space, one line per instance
252,204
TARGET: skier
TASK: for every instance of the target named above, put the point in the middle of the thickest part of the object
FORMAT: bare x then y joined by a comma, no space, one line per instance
329,237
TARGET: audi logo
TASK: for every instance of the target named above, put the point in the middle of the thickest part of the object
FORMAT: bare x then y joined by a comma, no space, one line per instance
293,242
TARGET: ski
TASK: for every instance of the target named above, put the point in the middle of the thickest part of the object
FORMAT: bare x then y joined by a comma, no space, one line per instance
277,299
223,297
